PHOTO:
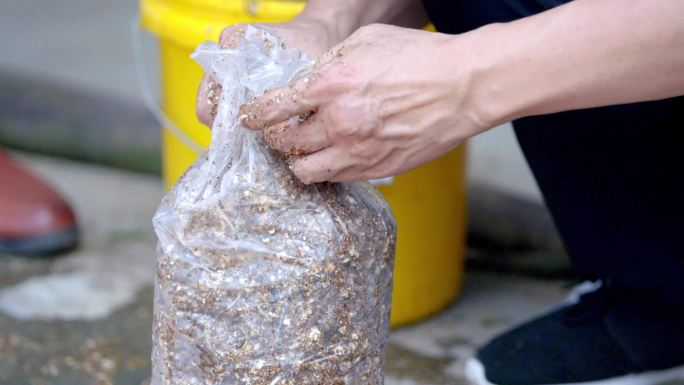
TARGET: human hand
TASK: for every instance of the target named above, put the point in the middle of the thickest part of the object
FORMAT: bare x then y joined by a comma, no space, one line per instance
382,102
310,35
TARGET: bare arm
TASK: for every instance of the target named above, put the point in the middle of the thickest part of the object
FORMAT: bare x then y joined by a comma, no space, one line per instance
587,53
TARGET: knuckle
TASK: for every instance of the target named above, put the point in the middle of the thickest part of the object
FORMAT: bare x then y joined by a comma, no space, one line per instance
354,118
364,151
340,124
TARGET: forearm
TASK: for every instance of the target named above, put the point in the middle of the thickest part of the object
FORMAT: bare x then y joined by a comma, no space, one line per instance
346,16
587,53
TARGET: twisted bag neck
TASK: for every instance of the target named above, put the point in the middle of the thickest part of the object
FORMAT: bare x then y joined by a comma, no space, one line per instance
260,62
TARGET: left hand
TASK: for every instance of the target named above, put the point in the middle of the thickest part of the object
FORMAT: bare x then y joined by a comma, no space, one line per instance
380,103
306,33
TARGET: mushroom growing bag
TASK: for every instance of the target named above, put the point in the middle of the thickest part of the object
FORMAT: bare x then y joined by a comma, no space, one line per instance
262,280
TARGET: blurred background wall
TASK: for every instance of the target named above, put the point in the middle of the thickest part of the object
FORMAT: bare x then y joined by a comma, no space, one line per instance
84,43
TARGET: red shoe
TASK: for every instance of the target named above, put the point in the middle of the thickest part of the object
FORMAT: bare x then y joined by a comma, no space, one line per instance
34,219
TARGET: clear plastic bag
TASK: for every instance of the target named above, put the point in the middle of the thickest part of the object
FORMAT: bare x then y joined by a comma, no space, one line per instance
262,280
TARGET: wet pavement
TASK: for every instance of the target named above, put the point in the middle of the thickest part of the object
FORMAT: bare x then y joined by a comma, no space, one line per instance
85,318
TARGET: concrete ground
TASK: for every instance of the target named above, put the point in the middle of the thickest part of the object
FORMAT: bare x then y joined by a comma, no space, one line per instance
85,318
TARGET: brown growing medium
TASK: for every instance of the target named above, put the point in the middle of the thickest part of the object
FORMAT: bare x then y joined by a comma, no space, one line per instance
311,308
213,96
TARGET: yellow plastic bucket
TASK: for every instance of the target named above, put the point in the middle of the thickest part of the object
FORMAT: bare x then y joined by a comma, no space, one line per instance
429,202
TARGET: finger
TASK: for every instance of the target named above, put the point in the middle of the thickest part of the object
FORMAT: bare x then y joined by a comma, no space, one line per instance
389,165
208,96
322,166
279,105
296,138
350,163
331,56
231,36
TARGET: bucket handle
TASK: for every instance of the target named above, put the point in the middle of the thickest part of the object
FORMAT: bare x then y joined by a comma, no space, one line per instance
146,90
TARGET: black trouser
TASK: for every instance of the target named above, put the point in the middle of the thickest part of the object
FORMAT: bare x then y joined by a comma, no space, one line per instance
613,177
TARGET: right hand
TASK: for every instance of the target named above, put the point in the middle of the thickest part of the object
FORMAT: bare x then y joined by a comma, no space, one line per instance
310,35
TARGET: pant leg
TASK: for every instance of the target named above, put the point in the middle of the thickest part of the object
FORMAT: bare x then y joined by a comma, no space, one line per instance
612,177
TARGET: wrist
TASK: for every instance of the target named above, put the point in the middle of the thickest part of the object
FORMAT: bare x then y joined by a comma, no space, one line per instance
340,19
497,91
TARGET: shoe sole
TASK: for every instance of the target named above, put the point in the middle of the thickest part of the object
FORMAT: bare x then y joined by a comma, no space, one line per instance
475,374
42,245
